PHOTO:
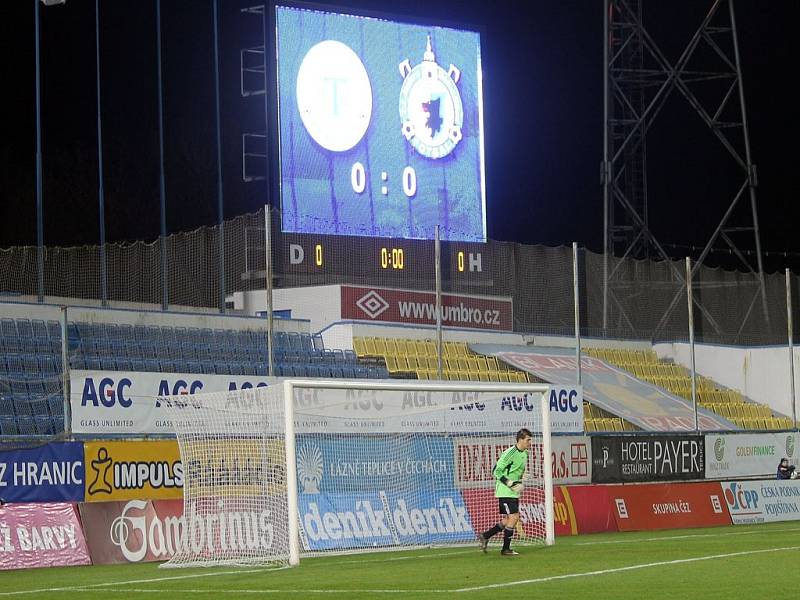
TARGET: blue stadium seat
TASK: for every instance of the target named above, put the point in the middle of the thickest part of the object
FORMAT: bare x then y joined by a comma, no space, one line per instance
15,367
52,387
26,425
54,330
27,345
55,405
108,363
348,373
188,351
6,406
39,329
336,372
312,371
207,367
8,328
361,372
125,332
123,364
222,368
151,365
11,344
167,366
110,331
168,336
24,328
43,424
281,339
181,366
194,366
77,361
35,388
8,425
236,368
30,363
138,365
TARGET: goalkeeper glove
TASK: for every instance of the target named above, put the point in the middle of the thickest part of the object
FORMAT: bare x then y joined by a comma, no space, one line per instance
516,486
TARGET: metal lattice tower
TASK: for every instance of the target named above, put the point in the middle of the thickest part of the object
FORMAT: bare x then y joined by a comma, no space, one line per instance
638,81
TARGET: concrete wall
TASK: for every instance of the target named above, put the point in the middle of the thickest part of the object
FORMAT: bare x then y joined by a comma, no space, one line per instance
761,374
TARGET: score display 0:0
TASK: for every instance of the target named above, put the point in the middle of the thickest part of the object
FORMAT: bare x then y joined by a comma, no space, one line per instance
358,179
392,257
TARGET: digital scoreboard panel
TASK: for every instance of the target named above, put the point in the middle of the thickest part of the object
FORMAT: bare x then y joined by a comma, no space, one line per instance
380,128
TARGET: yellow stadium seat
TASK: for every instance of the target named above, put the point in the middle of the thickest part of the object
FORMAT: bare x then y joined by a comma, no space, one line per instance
358,346
369,345
391,346
491,363
504,376
380,346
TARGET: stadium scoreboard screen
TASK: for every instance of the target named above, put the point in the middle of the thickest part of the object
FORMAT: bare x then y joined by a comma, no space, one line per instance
380,139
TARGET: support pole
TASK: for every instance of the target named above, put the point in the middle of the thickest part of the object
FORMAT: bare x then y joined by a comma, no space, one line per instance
293,527
39,200
438,261
220,201
790,329
577,313
547,473
162,189
65,386
101,192
691,339
268,287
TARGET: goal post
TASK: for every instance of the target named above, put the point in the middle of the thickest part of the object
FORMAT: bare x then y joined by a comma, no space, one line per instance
310,467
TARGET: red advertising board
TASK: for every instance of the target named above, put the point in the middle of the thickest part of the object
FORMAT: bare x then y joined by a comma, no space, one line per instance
41,535
668,506
400,306
133,531
591,509
484,511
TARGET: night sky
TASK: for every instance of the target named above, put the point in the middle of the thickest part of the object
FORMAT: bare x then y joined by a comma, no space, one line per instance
543,70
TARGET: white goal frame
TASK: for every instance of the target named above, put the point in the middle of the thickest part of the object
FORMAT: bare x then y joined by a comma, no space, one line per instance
289,385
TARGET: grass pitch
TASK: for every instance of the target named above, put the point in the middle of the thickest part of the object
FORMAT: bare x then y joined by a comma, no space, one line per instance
723,563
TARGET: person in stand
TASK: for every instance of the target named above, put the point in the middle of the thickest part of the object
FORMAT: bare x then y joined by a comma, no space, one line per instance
785,470
508,473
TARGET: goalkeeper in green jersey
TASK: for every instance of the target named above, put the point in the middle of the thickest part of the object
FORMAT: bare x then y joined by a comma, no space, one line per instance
508,473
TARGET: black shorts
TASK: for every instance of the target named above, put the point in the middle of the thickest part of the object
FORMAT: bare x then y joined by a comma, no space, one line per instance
508,506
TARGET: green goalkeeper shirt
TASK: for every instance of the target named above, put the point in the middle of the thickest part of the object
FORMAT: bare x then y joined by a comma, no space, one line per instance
511,467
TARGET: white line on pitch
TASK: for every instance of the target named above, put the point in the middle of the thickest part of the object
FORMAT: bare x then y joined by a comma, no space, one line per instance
662,563
684,537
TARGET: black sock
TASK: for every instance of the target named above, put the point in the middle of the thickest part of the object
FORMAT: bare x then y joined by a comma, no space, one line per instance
494,530
507,535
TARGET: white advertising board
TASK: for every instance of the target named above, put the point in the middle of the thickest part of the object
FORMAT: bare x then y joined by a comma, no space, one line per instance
105,402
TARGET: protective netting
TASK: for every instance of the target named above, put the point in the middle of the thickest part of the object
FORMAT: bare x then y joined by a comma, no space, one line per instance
375,466
529,288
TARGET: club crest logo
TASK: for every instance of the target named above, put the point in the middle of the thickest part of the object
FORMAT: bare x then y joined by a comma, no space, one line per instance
310,468
431,111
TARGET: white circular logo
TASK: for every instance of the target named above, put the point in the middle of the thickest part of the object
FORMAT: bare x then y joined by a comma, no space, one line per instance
334,96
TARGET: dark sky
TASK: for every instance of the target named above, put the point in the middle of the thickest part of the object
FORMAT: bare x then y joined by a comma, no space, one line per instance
543,64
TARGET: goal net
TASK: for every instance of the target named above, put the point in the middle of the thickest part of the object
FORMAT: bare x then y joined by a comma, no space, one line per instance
308,467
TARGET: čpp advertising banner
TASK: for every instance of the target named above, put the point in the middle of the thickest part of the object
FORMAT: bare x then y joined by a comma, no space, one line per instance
132,403
358,520
110,402
762,501
122,470
41,535
639,458
476,456
49,473
611,388
748,455
668,506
